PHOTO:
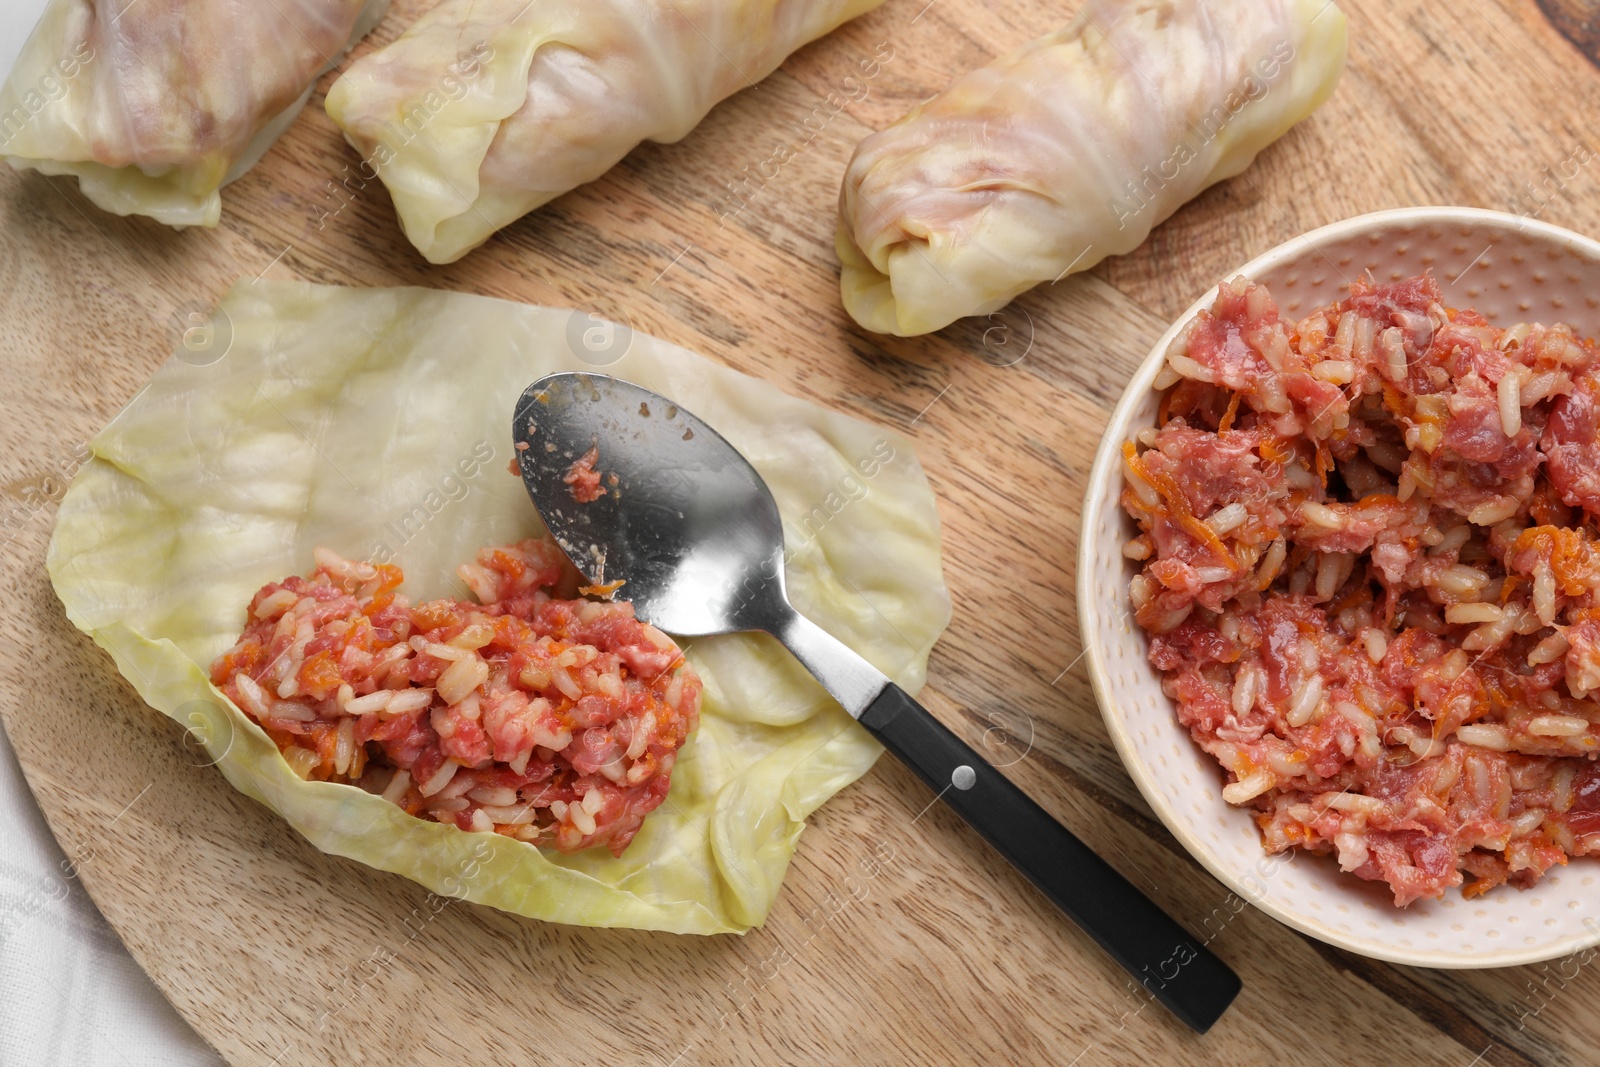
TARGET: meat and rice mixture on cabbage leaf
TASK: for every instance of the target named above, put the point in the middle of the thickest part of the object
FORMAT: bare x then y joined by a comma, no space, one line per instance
1370,546
549,719
376,423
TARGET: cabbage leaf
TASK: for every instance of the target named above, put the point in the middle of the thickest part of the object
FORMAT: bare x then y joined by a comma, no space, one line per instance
377,422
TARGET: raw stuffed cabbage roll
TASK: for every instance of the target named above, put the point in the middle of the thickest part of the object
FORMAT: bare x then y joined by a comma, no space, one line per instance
337,431
486,109
156,104
1070,149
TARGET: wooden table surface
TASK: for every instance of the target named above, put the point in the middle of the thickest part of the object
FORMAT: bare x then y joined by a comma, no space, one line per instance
943,955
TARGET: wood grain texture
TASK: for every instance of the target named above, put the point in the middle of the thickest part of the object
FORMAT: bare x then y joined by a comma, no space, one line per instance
1578,21
899,938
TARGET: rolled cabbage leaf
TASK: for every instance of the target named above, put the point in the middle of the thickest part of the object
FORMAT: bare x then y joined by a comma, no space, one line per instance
1070,149
485,109
349,418
155,105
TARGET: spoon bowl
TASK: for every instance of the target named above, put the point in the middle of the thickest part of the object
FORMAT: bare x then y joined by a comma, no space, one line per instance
682,517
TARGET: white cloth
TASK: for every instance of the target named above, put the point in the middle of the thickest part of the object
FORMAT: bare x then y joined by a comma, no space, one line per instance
70,995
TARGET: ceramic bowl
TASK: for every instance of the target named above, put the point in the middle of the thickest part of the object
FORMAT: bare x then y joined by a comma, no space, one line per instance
1510,268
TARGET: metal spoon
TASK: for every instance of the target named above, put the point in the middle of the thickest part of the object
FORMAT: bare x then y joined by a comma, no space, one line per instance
694,532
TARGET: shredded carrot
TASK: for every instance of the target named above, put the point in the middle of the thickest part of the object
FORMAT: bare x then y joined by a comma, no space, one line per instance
1227,416
1172,494
1130,452
245,656
320,675
1394,402
605,589
504,560
435,614
1324,463
1275,451
1361,594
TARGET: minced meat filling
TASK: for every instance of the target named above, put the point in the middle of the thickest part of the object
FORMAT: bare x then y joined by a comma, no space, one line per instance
550,720
1371,577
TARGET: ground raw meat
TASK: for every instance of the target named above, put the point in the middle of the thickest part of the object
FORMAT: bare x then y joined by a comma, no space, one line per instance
553,721
1371,578
583,479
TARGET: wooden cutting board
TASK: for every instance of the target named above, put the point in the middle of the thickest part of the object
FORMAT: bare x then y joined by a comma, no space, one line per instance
939,953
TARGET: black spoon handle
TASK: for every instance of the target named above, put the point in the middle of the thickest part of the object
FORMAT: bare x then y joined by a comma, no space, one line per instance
1177,970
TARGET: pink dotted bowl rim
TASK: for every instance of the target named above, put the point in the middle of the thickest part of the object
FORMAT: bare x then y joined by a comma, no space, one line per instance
1097,629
